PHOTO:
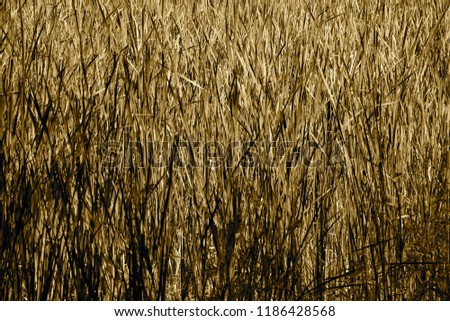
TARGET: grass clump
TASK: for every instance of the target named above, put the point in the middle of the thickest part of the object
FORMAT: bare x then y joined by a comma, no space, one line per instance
335,187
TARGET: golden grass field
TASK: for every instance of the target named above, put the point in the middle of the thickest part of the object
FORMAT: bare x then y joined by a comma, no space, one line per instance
228,150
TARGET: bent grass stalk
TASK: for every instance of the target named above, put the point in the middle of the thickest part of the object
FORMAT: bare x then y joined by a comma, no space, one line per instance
369,222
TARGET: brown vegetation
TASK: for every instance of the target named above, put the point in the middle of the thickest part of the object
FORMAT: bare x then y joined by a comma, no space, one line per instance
366,83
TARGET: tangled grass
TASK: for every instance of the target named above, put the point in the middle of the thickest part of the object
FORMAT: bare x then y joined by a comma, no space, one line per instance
364,85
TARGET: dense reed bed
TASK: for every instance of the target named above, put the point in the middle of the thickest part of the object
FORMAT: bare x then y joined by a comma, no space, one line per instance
236,150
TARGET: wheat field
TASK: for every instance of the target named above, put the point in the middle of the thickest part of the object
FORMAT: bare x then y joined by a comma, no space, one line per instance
225,150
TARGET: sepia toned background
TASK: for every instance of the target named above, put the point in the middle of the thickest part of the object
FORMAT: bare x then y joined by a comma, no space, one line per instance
347,103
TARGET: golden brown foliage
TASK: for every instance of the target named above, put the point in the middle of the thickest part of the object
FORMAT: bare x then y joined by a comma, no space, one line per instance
366,83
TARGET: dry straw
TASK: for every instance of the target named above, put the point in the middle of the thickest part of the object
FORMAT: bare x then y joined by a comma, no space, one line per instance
363,85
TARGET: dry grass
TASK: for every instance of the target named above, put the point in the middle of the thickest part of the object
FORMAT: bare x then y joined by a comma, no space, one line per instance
367,81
